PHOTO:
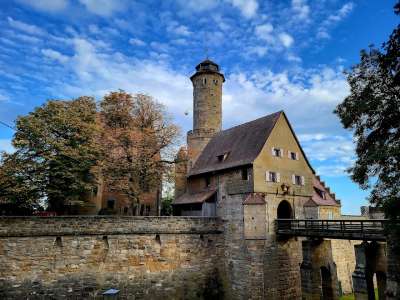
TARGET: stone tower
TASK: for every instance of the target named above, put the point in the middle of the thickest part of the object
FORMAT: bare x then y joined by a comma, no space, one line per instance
207,107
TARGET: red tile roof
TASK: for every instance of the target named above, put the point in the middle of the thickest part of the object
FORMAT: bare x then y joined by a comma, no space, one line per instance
316,199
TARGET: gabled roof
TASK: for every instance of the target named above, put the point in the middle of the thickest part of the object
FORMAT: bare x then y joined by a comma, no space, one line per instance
241,143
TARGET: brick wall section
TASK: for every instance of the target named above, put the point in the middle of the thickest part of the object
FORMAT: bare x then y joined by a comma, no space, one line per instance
80,257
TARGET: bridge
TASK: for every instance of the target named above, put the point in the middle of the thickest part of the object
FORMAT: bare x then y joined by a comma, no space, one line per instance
365,230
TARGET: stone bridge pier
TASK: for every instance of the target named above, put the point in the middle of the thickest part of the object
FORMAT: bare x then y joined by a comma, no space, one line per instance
318,271
371,260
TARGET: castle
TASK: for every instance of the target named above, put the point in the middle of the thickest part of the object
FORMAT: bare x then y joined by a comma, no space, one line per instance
250,175
259,163
231,187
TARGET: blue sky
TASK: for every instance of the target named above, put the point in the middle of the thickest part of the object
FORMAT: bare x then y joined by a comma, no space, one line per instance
275,55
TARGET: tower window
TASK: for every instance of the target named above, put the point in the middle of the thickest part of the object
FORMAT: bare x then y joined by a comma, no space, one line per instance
204,81
215,81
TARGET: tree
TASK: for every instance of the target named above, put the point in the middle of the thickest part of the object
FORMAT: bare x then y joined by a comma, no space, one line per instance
20,192
372,111
56,154
137,140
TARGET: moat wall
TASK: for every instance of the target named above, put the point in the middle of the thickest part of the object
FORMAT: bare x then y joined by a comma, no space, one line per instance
81,257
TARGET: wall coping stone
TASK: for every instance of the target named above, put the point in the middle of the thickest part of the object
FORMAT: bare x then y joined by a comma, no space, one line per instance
28,226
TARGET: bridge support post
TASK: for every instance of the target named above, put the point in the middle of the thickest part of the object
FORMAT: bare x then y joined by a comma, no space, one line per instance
393,264
318,271
363,285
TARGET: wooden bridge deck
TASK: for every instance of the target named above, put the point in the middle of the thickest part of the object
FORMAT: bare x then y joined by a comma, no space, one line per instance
366,230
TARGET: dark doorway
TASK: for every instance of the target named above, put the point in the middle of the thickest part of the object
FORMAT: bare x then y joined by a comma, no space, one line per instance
326,284
284,210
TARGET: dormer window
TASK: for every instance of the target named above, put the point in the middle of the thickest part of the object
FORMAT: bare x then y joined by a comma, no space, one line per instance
277,152
222,157
320,193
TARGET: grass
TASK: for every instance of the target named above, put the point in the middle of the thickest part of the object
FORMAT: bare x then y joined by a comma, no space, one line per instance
351,296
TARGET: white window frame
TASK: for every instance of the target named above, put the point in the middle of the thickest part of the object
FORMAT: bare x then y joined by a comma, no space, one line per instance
268,178
280,152
302,180
295,153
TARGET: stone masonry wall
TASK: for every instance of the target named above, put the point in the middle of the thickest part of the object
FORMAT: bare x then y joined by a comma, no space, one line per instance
80,257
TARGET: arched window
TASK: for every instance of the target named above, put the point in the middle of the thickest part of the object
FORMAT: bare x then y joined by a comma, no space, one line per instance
284,210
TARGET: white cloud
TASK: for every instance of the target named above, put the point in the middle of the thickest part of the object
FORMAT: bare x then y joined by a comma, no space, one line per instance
97,73
286,39
333,19
182,30
198,5
55,55
104,8
4,97
264,31
46,5
248,8
28,28
301,9
136,42
178,29
260,51
5,145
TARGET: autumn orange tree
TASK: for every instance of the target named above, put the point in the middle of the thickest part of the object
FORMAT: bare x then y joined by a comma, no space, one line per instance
138,139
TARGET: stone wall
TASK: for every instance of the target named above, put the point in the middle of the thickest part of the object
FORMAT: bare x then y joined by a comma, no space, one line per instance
80,257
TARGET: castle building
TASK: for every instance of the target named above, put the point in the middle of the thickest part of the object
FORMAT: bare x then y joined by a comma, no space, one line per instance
260,161
249,176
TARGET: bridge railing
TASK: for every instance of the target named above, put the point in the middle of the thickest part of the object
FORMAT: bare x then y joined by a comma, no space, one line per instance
339,229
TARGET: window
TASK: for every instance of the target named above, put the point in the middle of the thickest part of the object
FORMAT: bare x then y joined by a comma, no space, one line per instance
245,174
110,203
322,194
330,215
277,152
208,181
273,176
293,155
215,81
222,157
297,179
204,81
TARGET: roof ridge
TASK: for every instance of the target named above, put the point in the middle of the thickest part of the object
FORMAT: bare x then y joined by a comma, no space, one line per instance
252,121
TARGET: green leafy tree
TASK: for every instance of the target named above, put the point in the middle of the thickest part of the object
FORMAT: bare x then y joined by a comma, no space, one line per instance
56,155
372,112
20,192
